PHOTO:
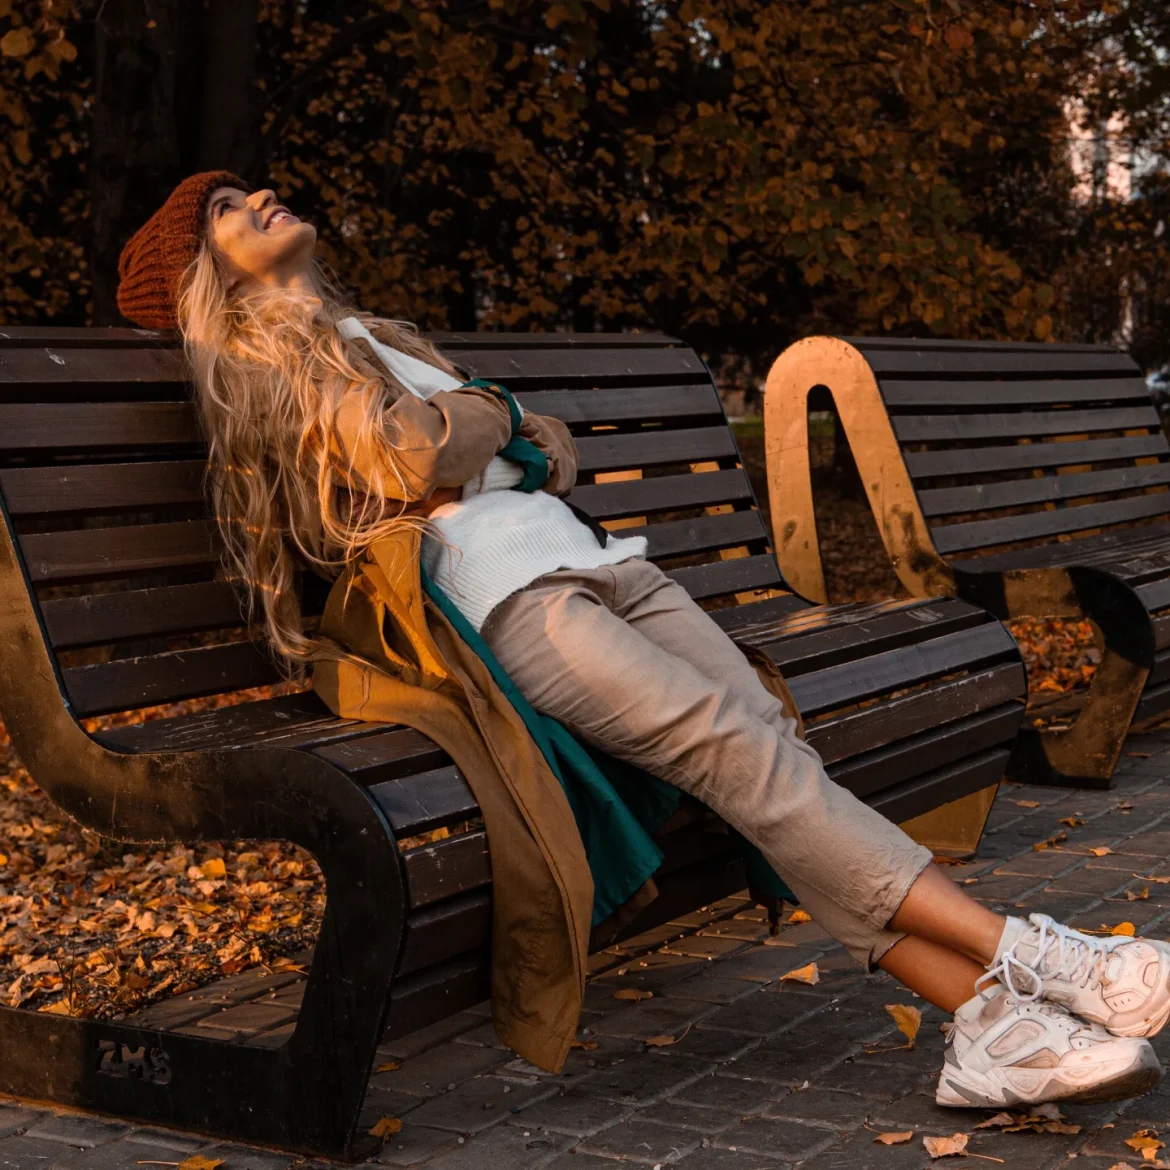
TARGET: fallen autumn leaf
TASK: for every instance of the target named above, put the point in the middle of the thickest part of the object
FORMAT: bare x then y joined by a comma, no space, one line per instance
634,994
944,1147
908,1019
806,974
386,1127
894,1138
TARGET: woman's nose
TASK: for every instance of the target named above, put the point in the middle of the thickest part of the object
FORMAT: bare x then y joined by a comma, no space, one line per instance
258,200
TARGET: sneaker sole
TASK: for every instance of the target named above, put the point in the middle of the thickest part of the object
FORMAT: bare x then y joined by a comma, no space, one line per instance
1135,1081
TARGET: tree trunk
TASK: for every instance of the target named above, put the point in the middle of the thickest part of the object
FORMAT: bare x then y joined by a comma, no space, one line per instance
134,145
228,137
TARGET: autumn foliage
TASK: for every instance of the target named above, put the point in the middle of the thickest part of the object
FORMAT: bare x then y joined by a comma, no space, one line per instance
736,172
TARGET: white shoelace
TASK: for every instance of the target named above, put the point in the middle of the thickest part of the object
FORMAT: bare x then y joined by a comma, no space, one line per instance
1078,959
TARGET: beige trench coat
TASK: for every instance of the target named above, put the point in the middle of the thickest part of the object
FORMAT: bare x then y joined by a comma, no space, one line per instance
412,668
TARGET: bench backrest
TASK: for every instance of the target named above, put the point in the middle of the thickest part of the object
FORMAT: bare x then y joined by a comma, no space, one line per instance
101,468
1001,444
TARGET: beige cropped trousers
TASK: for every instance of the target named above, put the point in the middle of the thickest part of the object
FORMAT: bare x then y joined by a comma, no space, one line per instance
627,661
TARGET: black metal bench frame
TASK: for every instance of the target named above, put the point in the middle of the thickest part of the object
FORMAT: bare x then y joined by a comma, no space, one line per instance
913,705
1028,479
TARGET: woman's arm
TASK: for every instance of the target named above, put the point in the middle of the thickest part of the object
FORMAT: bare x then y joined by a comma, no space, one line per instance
553,438
422,445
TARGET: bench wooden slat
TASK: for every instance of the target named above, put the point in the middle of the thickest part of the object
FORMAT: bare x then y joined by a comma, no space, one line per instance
928,428
1028,456
98,486
96,552
445,930
936,748
677,537
86,337
92,426
1132,554
392,753
975,362
1005,529
863,731
128,683
737,576
653,448
446,868
45,366
840,642
564,368
436,993
426,800
1014,493
636,497
134,613
924,793
624,403
950,395
838,686
295,718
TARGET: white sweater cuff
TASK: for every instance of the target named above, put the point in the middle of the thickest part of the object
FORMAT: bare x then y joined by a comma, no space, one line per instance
499,475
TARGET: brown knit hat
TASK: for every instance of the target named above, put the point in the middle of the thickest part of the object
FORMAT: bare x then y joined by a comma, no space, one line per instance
158,254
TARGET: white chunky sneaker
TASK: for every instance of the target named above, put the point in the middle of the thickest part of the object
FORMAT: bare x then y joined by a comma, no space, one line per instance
1121,983
1002,1051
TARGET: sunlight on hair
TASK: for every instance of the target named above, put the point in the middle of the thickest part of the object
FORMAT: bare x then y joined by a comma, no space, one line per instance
270,371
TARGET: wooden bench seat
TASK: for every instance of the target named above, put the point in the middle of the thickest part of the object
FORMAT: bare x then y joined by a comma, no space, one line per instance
1028,479
109,603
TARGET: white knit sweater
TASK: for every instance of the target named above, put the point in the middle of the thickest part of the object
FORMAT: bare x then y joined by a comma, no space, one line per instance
495,541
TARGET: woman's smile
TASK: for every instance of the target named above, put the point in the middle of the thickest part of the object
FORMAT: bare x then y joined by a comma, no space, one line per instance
278,216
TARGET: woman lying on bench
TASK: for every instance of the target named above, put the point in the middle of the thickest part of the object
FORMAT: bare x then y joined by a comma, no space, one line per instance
350,444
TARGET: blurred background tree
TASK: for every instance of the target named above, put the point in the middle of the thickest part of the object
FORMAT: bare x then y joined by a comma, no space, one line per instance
736,172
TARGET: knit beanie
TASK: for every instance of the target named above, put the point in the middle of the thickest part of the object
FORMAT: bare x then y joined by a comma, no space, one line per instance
158,254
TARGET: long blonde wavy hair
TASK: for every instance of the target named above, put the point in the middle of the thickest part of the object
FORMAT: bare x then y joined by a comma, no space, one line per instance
270,370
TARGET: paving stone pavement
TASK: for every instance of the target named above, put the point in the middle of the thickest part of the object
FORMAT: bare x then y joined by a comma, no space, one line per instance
760,1073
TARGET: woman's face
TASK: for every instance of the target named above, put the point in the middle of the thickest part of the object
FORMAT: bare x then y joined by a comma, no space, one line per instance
260,242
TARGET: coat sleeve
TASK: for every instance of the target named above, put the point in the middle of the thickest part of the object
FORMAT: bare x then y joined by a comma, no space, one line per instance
552,437
423,445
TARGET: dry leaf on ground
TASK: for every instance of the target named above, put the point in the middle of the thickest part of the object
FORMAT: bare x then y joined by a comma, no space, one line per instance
1027,803
198,1162
1072,822
1101,851
386,1127
584,1045
389,1066
1126,928
1130,896
799,916
634,994
1046,1118
942,1147
1159,881
908,1019
894,1139
807,974
664,1041
1146,1142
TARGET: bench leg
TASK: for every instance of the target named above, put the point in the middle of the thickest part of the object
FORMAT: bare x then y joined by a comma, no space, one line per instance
1085,754
954,829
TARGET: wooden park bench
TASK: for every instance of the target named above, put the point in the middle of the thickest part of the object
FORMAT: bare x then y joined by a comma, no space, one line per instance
106,543
1027,479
